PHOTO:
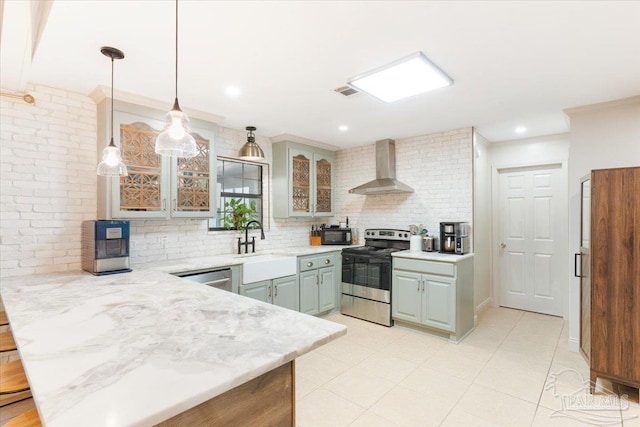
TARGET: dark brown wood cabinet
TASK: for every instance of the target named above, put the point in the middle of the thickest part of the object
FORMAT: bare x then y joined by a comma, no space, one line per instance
610,285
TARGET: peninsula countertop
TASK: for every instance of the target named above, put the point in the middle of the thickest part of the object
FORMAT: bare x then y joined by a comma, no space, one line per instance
137,348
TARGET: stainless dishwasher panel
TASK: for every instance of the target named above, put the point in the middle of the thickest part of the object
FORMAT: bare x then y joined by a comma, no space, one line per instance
220,279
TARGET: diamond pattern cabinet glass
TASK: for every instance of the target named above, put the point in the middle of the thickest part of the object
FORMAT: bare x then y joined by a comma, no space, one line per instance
303,180
193,192
324,186
142,189
145,192
156,187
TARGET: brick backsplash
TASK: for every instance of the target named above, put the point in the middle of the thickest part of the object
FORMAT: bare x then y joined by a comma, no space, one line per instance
437,166
48,187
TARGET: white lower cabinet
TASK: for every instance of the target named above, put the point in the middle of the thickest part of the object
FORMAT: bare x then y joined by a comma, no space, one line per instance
282,291
318,283
438,295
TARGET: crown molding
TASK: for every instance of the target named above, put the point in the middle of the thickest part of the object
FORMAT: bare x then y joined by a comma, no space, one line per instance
602,106
305,141
102,92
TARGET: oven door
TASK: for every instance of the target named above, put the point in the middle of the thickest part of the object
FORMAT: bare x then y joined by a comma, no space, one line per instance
372,272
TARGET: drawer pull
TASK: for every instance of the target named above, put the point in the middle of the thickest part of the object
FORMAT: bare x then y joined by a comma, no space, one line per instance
310,264
327,261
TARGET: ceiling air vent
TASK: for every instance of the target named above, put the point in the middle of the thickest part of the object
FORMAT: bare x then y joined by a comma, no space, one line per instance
346,90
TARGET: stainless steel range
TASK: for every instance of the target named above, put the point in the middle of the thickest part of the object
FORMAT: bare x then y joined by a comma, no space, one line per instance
366,275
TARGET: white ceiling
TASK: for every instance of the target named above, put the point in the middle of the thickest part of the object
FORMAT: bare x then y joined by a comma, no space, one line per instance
513,63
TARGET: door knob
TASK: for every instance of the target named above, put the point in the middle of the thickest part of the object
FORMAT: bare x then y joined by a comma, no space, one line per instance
503,245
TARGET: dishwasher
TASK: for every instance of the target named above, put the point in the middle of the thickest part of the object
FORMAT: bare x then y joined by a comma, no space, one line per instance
216,278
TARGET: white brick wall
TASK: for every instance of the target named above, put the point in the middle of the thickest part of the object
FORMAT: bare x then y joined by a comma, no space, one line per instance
47,164
48,187
439,169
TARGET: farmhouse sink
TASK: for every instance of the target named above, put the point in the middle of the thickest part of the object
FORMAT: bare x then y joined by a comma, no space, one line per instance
257,267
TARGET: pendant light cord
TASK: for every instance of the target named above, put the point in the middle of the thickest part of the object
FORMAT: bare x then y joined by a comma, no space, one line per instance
111,142
176,49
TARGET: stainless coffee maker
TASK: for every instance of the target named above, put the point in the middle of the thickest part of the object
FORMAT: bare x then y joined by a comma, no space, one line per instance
105,247
449,232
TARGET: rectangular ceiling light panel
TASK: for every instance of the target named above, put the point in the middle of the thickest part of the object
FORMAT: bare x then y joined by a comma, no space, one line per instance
403,78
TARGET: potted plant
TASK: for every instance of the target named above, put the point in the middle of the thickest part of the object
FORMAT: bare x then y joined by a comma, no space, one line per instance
238,214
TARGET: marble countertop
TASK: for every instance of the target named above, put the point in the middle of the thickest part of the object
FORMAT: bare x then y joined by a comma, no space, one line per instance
431,256
137,348
215,261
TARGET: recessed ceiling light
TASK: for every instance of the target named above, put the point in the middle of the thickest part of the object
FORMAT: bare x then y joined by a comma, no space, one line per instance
233,91
343,128
521,129
400,79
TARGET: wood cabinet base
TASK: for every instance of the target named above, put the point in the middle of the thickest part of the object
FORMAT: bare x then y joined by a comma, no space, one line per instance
594,375
268,400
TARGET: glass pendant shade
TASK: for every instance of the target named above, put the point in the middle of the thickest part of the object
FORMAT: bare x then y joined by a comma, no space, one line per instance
175,140
111,164
250,150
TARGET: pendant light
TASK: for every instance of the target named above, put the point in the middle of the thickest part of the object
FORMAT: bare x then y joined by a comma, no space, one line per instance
111,164
175,140
250,150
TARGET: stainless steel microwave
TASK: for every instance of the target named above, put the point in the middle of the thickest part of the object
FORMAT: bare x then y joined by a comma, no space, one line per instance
335,236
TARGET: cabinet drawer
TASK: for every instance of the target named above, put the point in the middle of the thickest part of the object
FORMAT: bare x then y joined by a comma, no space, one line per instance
429,267
317,261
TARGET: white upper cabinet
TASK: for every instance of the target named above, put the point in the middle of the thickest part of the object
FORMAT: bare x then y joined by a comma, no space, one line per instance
303,181
157,186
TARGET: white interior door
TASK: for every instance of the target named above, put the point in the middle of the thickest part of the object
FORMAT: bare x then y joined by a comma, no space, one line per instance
529,260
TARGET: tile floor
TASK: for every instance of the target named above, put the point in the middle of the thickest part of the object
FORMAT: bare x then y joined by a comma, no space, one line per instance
513,370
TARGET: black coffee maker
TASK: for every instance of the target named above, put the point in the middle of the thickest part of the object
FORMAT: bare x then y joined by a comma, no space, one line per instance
449,231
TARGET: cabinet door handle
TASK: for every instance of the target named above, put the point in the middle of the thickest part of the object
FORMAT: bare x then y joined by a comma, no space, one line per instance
175,204
164,204
575,264
419,282
269,294
423,283
275,288
309,264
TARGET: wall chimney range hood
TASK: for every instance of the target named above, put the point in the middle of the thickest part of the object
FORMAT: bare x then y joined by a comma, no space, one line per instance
385,182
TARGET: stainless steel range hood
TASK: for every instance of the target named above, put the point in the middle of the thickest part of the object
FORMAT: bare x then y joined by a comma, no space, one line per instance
385,182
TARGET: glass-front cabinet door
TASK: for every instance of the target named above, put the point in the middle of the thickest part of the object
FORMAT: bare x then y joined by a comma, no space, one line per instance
143,193
158,186
192,194
303,180
324,192
301,191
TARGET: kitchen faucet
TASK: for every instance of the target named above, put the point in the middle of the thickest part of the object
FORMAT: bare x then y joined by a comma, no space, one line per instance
246,242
